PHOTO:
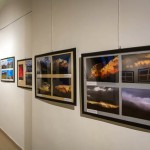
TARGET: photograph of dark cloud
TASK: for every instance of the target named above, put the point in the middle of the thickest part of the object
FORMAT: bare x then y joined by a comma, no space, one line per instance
102,69
104,99
136,103
136,68
62,64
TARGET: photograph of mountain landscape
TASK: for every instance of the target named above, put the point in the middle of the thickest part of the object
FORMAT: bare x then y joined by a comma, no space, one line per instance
136,68
62,64
43,65
136,103
62,87
7,63
104,99
44,86
7,74
4,74
102,69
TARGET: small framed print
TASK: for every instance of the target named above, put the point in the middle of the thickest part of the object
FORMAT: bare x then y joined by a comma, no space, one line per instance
55,76
8,69
24,73
115,85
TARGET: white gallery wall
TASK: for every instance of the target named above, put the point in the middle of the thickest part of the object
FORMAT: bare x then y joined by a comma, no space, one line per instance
15,40
88,25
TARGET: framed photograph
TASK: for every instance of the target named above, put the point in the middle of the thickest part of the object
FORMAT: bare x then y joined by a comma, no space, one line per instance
24,73
55,76
8,69
115,85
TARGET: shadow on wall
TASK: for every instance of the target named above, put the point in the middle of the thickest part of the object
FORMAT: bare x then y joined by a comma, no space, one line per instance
68,106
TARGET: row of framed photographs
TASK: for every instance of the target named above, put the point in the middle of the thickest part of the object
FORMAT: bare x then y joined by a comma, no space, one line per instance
55,75
24,71
115,85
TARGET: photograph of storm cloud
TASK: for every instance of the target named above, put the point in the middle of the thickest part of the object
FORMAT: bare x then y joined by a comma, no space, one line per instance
136,68
104,99
136,103
102,69
62,64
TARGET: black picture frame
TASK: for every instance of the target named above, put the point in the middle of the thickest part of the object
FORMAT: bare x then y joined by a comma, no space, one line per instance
101,99
55,76
8,69
24,73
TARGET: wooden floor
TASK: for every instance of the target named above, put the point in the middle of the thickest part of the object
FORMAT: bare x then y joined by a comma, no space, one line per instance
6,143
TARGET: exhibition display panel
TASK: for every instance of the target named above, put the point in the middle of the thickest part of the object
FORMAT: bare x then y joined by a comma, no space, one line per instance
116,85
24,73
8,69
55,76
